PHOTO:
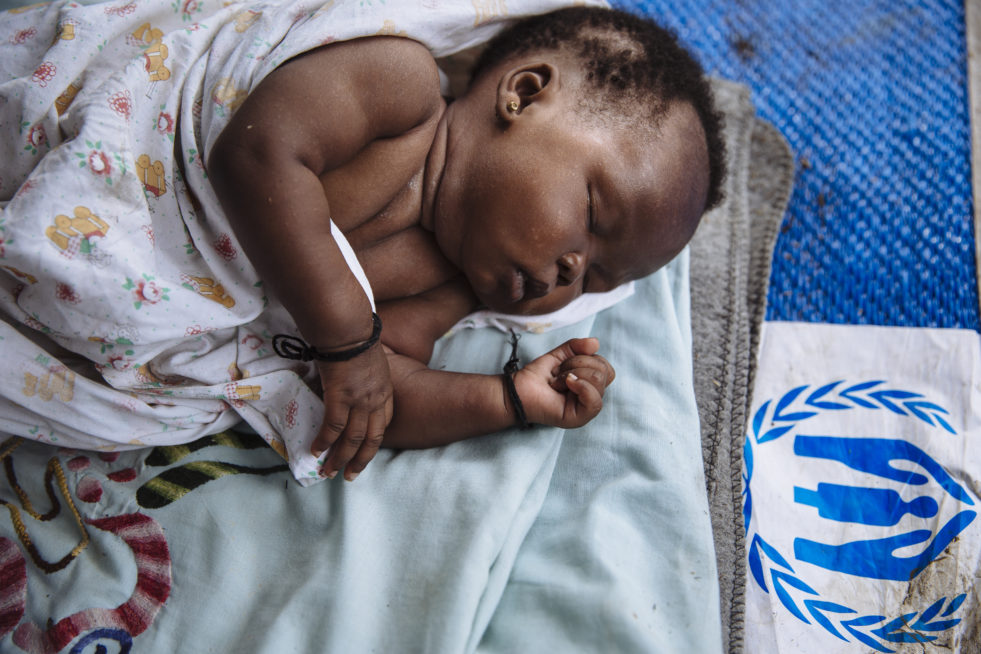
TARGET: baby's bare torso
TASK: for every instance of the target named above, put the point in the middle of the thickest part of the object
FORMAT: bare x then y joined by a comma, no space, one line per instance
364,117
376,200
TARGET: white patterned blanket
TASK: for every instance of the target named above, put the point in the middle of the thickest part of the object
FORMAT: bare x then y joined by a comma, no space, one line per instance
113,246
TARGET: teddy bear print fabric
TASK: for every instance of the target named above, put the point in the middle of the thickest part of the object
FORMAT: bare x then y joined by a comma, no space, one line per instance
130,315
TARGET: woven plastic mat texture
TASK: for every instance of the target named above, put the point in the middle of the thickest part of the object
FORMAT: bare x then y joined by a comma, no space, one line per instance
872,97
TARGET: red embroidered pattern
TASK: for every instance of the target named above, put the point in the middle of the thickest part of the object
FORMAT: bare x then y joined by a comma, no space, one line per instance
153,581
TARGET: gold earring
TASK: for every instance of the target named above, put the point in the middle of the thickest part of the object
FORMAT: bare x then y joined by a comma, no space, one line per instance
513,105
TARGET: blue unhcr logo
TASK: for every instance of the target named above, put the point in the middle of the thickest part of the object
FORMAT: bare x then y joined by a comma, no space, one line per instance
873,558
876,506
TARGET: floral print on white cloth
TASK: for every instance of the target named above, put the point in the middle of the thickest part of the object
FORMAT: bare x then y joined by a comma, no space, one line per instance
114,250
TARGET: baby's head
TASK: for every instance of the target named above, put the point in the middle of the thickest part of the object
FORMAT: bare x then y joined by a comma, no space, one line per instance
582,156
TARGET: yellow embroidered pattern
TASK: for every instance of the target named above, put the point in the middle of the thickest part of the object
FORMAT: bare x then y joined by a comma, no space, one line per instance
54,476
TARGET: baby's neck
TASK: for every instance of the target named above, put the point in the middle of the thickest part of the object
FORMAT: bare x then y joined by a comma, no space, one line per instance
433,172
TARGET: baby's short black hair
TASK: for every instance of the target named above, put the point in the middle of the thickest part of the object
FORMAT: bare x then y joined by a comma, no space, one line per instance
628,58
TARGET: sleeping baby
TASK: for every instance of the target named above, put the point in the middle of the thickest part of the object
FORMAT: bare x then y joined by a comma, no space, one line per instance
343,212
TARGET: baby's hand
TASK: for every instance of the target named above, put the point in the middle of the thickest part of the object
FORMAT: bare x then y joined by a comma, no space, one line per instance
357,409
565,387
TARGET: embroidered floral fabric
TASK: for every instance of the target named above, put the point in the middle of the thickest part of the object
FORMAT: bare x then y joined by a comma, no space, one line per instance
113,246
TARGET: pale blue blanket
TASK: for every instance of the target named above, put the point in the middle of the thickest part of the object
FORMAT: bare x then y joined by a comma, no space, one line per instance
591,540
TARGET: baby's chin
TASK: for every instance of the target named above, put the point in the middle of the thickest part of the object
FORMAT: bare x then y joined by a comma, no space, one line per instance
536,307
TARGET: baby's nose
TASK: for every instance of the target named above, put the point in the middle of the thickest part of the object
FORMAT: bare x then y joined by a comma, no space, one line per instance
571,267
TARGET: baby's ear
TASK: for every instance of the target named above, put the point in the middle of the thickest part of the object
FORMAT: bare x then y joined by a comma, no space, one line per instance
524,85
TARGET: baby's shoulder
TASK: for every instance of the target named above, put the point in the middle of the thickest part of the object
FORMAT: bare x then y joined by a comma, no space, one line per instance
387,76
400,57
408,70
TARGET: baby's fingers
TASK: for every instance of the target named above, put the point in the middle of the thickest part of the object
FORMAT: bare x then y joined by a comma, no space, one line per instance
589,399
576,347
374,435
344,449
335,420
595,369
595,377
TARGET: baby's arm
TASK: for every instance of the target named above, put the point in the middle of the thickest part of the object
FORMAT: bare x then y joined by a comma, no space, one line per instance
563,388
310,116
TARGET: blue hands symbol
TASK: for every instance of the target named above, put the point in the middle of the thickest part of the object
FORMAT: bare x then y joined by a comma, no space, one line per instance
874,455
874,558
868,506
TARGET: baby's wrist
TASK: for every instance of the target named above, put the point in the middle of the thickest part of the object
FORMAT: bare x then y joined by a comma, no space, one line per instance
514,402
339,325
291,347
366,329
334,318
511,370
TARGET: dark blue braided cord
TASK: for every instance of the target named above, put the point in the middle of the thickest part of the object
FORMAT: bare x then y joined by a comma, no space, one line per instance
293,347
510,368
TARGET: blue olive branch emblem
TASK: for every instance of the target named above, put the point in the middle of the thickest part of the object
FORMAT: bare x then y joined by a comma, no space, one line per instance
861,395
872,506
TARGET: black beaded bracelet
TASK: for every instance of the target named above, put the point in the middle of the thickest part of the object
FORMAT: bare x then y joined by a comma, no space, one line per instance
510,368
291,347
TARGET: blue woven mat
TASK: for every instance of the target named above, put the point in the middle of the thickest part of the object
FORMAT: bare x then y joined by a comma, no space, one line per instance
872,96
